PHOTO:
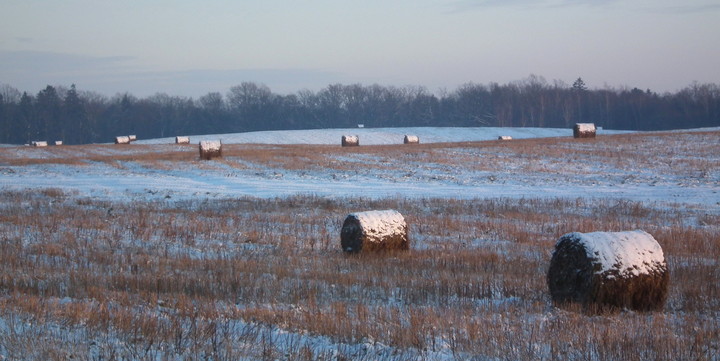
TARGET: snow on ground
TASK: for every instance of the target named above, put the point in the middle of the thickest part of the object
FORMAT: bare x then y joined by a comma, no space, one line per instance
378,136
130,179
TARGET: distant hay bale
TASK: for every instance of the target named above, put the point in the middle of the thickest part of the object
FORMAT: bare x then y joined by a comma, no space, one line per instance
132,138
609,270
182,140
411,139
584,130
39,143
504,137
210,149
122,139
58,142
374,231
350,141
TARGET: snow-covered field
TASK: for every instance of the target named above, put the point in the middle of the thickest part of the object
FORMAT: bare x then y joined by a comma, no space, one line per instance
233,177
259,275
376,136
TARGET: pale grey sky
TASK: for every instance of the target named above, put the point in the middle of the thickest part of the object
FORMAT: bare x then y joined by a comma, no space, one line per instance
189,48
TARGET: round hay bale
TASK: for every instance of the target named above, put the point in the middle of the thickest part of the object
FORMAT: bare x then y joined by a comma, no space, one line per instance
608,271
210,149
132,138
411,139
182,140
123,139
350,141
504,137
374,231
584,130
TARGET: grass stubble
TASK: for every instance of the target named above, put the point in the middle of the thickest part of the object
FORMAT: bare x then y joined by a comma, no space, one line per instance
251,278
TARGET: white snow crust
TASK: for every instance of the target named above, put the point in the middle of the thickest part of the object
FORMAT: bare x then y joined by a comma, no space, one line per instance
630,253
379,224
210,145
586,127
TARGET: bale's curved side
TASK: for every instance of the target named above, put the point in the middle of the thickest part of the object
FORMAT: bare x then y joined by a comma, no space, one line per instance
646,292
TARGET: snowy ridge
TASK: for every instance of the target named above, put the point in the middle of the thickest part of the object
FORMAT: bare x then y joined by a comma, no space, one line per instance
629,253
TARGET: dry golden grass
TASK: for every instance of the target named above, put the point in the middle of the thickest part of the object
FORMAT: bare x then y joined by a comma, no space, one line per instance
689,154
181,277
225,279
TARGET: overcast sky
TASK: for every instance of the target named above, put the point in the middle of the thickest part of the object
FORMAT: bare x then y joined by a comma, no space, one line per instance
190,48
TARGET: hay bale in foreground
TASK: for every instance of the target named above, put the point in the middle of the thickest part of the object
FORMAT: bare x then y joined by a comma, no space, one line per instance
609,270
122,139
350,141
182,140
411,139
132,138
374,231
584,130
210,149
504,137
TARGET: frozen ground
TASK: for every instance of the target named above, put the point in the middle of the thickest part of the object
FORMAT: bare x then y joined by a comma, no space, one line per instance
235,176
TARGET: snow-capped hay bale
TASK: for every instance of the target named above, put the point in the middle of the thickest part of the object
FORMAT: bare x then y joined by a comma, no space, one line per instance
411,139
374,231
58,142
350,141
210,149
609,270
584,130
39,143
182,140
504,137
122,139
132,138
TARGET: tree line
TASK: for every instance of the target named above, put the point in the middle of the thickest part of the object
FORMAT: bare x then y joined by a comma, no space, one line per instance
77,117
